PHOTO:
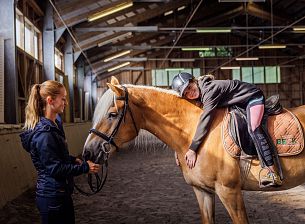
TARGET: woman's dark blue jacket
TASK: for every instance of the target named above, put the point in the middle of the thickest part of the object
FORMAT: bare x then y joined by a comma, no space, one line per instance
49,152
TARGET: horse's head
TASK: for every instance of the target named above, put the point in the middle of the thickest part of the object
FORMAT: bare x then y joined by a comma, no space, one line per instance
113,123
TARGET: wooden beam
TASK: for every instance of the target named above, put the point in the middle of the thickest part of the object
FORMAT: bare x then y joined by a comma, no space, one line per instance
92,38
35,6
260,12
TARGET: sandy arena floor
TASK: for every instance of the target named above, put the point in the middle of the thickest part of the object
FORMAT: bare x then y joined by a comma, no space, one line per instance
147,187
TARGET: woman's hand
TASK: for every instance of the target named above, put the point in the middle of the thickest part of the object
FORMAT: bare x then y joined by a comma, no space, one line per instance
190,158
93,167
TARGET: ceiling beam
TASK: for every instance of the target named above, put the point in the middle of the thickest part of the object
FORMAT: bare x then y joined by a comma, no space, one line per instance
91,39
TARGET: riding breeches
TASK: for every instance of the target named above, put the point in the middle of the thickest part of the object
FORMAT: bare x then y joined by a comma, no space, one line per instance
255,112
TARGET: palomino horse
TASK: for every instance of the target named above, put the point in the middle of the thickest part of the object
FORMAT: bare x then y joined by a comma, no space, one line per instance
124,109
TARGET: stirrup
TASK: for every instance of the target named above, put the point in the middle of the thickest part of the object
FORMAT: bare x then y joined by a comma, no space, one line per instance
272,179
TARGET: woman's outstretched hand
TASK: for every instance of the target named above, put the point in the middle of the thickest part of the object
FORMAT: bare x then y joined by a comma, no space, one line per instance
190,158
93,167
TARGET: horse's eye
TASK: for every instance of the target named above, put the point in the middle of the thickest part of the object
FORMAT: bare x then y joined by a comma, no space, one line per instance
112,115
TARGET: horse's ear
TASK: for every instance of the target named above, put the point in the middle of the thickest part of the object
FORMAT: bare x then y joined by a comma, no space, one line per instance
114,81
116,89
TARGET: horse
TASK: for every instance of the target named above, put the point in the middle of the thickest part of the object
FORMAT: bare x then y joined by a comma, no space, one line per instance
125,109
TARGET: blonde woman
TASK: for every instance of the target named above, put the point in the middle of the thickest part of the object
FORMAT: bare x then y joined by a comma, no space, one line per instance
45,140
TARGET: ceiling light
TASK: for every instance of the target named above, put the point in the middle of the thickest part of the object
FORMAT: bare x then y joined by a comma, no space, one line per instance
116,56
114,39
272,46
109,11
196,49
301,28
181,8
182,60
214,30
247,59
229,67
241,0
173,69
168,13
118,66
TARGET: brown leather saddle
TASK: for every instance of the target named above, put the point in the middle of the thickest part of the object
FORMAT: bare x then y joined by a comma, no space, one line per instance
282,127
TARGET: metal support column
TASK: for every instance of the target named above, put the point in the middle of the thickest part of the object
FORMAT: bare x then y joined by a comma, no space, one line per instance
7,32
69,71
48,43
80,82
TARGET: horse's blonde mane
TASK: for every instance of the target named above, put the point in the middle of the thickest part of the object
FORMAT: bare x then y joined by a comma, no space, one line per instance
107,100
167,91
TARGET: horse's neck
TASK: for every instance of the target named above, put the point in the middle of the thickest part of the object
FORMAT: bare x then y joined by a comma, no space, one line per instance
170,118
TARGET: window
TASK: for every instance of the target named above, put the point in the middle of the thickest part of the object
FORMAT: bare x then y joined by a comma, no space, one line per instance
59,60
28,36
258,75
36,44
28,39
19,29
164,77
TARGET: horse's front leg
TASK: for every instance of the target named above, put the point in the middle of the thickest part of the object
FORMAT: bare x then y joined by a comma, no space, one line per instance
233,201
206,202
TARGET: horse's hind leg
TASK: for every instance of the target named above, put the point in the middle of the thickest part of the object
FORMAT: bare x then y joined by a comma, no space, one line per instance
233,201
206,202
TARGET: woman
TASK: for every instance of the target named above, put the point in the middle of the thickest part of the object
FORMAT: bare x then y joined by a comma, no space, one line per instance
44,139
224,93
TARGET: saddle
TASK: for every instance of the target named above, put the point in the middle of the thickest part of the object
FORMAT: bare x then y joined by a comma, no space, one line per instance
281,126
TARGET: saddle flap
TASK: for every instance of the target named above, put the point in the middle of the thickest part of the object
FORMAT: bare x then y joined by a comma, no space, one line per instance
272,105
284,129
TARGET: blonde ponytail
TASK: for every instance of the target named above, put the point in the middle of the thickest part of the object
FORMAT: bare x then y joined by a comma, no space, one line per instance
37,101
33,109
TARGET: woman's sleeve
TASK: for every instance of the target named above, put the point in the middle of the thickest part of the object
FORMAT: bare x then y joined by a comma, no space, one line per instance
48,148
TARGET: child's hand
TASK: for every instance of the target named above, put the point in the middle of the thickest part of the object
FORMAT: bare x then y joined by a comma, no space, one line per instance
190,158
177,160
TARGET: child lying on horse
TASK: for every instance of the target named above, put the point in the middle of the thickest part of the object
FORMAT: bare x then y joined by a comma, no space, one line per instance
224,93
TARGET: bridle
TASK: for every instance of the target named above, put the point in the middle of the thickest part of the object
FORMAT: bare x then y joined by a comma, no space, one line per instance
105,148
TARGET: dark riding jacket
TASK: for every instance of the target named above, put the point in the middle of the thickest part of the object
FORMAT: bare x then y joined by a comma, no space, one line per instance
49,152
220,93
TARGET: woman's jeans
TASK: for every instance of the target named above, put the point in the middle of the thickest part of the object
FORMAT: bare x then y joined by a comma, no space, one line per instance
58,210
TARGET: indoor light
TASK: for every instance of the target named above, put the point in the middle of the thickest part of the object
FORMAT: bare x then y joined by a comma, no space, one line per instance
118,66
168,13
117,55
213,30
272,46
109,11
181,7
299,28
173,69
247,59
196,49
229,67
